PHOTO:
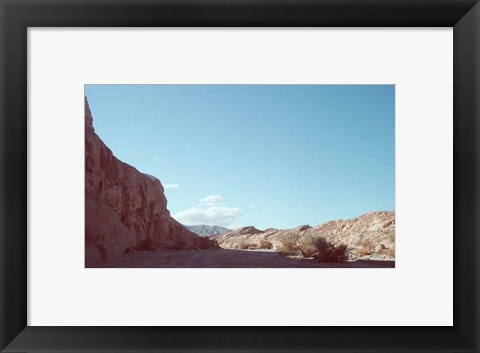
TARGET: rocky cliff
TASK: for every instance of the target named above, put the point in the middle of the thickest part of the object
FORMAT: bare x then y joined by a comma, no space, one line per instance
125,210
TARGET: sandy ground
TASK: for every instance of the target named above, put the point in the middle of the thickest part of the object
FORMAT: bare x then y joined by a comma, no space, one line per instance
226,258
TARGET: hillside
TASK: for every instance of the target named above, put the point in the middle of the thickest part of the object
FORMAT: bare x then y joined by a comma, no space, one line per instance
371,235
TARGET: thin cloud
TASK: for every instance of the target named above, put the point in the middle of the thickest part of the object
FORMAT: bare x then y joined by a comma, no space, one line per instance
171,186
210,200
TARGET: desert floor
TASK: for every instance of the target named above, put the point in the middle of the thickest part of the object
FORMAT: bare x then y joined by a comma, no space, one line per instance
226,258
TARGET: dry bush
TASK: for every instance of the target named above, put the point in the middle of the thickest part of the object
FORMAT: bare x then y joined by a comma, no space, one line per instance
248,246
265,244
365,246
243,246
308,244
328,252
206,243
288,243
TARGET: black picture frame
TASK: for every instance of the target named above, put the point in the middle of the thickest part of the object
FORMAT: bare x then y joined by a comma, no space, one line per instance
18,15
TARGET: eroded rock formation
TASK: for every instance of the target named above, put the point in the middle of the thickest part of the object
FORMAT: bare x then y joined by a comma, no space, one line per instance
125,210
370,235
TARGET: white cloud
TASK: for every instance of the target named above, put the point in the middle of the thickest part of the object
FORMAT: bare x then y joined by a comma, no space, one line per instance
210,200
212,215
171,186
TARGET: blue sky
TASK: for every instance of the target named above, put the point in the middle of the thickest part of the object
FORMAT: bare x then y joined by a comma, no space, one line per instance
264,155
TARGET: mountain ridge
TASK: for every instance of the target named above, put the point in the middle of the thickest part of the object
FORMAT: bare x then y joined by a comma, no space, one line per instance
207,230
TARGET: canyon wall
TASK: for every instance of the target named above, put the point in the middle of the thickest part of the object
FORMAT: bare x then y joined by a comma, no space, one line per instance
125,210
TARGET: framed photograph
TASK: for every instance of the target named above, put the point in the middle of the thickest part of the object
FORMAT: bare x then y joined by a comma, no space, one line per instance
239,176
238,216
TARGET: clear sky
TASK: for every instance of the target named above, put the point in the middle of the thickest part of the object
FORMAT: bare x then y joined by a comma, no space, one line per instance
264,155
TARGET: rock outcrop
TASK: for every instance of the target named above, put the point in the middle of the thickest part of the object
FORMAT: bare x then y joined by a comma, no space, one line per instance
125,210
368,236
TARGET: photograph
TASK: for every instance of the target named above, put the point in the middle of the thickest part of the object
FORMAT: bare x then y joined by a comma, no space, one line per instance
239,176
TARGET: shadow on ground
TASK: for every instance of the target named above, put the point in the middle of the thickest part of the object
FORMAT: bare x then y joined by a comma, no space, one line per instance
229,258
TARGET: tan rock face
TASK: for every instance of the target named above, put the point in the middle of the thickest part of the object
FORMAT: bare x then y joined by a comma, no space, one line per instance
370,235
125,210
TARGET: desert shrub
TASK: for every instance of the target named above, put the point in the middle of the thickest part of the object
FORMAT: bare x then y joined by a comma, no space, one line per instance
265,244
328,252
288,242
311,245
308,244
294,242
246,246
206,243
365,246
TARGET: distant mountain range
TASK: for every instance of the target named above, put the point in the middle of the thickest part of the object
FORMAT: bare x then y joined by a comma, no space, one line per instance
205,231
